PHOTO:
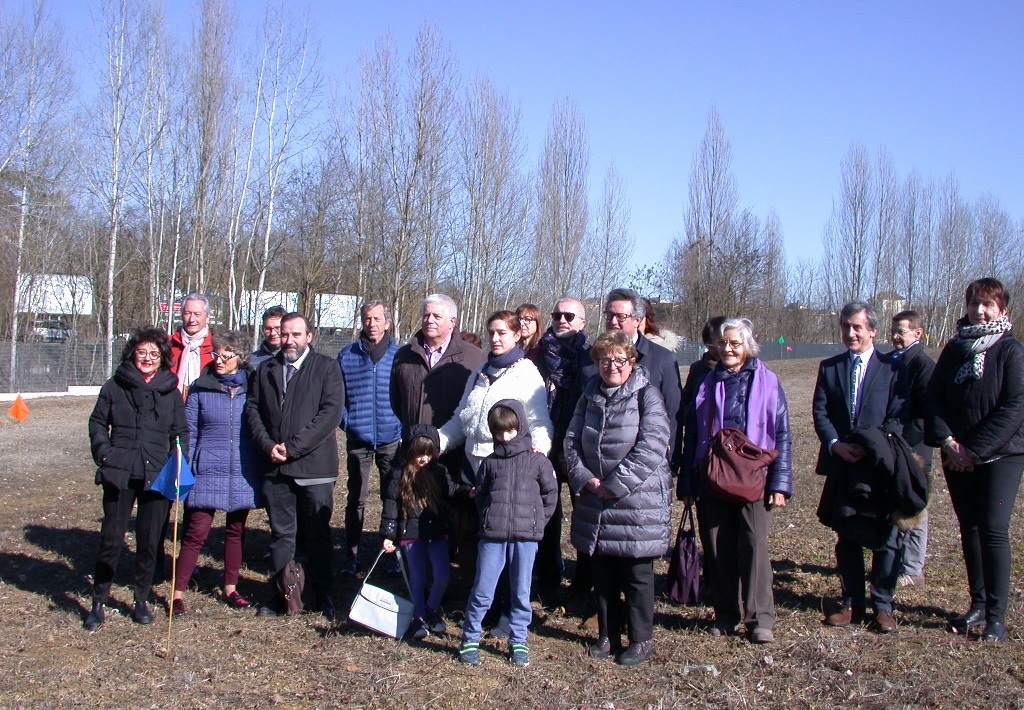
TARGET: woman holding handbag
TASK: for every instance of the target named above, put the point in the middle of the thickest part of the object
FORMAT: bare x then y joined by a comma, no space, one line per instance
739,394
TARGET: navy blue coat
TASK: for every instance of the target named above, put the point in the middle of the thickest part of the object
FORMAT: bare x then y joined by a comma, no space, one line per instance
884,401
368,416
737,399
224,458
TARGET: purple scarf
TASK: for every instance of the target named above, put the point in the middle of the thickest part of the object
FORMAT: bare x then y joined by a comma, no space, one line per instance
762,409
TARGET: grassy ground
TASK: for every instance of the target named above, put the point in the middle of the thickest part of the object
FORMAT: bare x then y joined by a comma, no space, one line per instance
49,523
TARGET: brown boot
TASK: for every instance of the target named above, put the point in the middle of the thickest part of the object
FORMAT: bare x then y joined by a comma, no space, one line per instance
846,616
884,623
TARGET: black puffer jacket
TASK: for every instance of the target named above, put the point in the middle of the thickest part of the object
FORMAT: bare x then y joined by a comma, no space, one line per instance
621,438
985,415
398,522
516,487
133,426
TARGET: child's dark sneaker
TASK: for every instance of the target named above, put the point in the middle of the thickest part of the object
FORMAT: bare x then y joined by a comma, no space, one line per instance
519,655
469,653
417,629
435,623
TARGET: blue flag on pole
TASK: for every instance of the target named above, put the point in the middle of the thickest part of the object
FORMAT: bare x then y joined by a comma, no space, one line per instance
175,479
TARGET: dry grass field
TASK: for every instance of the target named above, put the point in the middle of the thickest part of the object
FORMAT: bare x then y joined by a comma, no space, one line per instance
223,658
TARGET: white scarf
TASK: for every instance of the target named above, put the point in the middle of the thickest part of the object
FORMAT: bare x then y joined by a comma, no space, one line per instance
189,362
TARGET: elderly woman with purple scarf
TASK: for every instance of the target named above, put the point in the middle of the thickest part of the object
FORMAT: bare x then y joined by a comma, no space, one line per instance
747,396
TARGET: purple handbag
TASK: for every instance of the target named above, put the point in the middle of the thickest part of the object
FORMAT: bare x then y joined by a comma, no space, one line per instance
684,567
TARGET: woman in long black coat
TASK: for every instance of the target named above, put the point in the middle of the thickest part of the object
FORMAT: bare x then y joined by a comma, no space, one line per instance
133,426
976,402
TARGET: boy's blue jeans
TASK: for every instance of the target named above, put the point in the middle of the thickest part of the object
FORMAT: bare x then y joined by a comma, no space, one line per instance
492,556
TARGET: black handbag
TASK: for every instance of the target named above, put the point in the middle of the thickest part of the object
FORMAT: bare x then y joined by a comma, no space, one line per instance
684,567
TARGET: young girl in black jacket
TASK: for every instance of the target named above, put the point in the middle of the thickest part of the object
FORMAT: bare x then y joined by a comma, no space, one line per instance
415,515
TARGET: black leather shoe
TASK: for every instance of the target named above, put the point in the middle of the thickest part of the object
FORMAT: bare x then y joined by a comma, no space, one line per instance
995,632
95,618
327,607
637,653
141,614
975,616
604,648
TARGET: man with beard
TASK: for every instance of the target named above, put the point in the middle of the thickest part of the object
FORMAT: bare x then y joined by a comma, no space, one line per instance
562,348
293,411
372,431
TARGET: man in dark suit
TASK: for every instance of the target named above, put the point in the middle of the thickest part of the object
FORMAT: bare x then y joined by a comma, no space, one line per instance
907,331
854,389
293,411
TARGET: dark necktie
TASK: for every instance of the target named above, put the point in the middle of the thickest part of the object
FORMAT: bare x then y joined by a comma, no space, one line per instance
854,382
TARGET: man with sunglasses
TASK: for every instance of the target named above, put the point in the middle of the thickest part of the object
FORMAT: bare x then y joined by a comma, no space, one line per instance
563,351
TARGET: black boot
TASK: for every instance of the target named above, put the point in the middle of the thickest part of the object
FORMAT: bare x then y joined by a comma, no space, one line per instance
95,618
141,613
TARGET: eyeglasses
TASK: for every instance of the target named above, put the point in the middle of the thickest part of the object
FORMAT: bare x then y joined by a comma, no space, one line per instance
527,319
559,315
620,317
902,331
271,329
223,357
147,354
616,362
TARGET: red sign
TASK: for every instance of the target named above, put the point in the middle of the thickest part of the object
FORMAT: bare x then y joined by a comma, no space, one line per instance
163,307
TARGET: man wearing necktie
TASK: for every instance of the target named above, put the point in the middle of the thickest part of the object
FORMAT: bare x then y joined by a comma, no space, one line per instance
293,411
858,388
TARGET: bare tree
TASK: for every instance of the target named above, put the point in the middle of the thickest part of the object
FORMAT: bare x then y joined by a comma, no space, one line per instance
493,259
35,129
563,216
847,238
710,216
609,246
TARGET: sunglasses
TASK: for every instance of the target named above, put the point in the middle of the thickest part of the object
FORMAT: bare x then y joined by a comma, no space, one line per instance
559,315
223,356
620,317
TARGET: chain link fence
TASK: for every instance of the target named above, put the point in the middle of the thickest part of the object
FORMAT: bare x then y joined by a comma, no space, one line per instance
53,367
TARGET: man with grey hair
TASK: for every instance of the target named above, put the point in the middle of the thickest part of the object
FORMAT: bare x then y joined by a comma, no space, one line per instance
372,431
192,344
857,388
428,377
561,350
430,372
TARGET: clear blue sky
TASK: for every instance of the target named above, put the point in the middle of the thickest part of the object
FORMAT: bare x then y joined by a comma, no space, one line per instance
939,84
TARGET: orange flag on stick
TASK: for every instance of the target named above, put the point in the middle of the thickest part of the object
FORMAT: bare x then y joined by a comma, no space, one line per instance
18,410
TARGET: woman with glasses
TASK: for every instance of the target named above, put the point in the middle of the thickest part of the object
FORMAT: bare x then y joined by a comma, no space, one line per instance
529,329
224,462
740,392
132,429
615,449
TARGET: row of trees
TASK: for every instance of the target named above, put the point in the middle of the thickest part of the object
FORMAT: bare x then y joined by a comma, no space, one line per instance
230,163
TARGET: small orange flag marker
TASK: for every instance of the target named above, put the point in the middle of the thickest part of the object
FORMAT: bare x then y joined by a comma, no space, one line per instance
18,410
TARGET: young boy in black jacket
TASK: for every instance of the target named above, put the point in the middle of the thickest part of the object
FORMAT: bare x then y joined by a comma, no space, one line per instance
515,493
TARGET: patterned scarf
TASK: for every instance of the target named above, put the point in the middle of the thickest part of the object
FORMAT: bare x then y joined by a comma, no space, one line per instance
561,357
188,363
972,341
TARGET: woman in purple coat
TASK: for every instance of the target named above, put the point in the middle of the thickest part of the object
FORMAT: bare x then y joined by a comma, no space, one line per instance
224,462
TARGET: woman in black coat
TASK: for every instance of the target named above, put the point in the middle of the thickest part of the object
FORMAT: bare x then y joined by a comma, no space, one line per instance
976,405
137,417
